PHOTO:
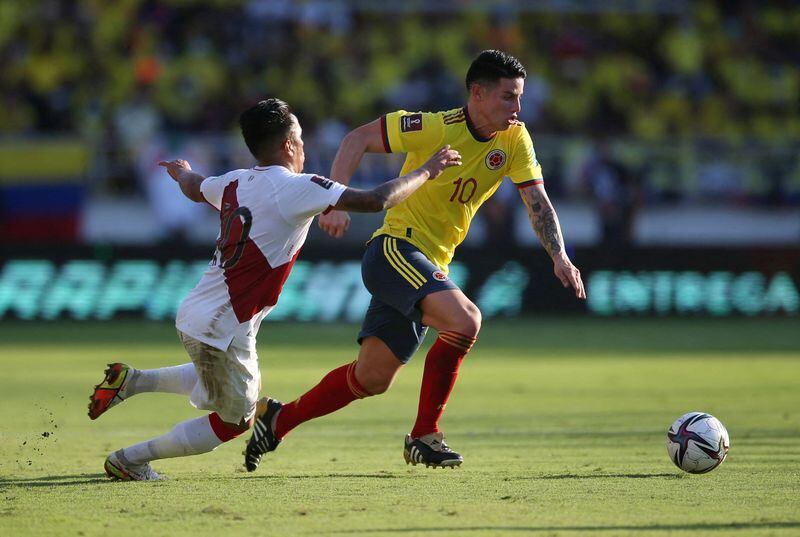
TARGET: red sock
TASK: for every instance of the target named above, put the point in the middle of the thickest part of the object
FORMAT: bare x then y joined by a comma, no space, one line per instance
223,431
336,390
441,371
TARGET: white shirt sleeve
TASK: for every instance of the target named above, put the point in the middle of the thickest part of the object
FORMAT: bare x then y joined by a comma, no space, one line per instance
307,195
213,188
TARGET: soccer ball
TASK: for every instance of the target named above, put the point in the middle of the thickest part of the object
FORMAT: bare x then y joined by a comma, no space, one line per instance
697,442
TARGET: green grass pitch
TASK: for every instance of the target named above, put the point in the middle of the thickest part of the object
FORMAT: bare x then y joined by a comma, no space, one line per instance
561,423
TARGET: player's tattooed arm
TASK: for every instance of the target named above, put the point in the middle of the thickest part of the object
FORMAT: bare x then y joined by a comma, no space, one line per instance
189,181
393,192
543,218
545,223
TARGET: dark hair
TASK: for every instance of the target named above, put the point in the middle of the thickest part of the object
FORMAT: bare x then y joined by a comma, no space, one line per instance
264,125
492,65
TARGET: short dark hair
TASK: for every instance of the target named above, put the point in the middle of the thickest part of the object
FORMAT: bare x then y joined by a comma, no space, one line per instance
266,124
492,65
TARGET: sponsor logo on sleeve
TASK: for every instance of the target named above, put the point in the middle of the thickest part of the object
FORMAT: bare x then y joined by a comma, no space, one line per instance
412,122
321,181
495,159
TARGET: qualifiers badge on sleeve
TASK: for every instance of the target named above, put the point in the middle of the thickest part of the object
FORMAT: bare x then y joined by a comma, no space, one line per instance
495,159
412,122
322,181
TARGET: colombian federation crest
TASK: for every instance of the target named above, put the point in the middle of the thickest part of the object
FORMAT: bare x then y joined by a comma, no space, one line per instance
439,275
495,159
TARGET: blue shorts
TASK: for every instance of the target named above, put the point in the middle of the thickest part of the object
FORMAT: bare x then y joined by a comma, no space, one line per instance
398,276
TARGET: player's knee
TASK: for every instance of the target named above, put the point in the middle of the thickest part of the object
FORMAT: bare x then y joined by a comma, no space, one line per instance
468,321
380,386
375,383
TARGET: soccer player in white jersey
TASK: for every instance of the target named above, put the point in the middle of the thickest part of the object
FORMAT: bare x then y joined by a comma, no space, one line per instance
265,214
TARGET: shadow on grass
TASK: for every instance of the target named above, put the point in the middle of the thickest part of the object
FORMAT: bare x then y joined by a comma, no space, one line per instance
54,480
603,476
702,527
326,476
513,478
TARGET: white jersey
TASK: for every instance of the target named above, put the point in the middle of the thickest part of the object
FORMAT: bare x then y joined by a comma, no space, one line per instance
265,214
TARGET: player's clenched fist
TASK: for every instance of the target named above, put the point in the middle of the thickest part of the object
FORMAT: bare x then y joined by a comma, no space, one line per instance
444,158
174,167
335,223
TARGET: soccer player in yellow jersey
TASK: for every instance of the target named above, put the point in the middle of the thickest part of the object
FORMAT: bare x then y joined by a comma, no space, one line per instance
405,265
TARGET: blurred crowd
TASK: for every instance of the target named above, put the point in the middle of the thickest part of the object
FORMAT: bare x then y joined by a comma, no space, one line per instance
120,74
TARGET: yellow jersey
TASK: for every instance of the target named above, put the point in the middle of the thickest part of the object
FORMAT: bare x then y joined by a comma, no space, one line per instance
437,216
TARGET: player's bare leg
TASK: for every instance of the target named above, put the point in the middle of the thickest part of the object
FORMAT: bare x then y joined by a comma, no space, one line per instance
376,369
377,366
458,321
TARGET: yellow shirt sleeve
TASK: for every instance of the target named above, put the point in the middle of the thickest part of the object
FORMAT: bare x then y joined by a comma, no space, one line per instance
524,169
408,132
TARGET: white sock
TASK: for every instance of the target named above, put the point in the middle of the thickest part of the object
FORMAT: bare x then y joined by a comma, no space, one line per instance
177,379
190,437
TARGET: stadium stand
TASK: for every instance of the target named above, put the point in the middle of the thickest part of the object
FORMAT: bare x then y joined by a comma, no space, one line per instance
697,100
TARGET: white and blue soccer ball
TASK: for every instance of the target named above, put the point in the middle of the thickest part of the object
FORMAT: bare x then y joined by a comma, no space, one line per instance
697,442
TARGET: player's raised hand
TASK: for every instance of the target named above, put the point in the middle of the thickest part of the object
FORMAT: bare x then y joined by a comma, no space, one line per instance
569,275
335,223
174,167
442,159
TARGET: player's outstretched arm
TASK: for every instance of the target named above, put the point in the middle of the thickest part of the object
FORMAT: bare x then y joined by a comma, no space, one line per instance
545,224
365,139
393,192
188,180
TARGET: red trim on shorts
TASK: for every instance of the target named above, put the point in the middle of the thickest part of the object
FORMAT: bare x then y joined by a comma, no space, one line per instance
223,431
532,182
385,135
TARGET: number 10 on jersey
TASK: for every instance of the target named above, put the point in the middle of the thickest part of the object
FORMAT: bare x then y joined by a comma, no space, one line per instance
465,189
